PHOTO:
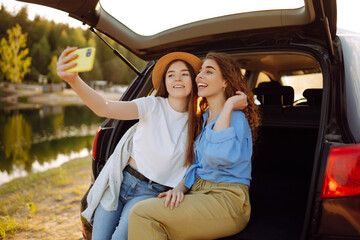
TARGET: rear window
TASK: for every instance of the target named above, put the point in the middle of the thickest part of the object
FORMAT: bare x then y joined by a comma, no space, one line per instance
301,82
262,78
151,17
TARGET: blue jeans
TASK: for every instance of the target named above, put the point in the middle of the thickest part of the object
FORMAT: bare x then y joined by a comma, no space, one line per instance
114,224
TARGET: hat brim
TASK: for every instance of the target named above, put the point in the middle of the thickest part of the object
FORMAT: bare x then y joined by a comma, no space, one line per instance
162,63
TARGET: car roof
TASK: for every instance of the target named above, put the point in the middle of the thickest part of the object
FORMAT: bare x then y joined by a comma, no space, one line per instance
215,33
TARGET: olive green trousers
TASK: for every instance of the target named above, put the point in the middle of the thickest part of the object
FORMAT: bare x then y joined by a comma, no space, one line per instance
208,211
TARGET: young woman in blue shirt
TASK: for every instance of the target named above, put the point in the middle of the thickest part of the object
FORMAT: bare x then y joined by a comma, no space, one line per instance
217,202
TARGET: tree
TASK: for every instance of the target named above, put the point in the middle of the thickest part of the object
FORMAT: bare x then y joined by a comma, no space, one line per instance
52,75
14,62
41,54
77,38
6,20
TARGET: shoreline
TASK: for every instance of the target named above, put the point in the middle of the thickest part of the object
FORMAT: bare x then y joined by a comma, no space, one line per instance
41,167
24,96
45,205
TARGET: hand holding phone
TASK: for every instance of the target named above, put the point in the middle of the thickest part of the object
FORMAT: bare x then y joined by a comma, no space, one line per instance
84,61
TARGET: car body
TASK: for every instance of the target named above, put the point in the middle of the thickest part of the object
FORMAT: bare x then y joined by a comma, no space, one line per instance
305,75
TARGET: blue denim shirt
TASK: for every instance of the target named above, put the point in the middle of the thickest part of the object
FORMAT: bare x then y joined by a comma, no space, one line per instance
223,156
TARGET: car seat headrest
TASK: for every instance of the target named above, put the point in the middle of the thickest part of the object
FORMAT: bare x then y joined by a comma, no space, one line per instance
313,96
272,93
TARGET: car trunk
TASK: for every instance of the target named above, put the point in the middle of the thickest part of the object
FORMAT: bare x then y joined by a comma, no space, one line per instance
284,152
282,167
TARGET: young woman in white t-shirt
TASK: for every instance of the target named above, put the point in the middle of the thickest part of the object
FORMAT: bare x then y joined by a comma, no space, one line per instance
162,144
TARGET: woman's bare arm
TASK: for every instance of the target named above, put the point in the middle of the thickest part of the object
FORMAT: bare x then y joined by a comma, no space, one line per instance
122,110
236,102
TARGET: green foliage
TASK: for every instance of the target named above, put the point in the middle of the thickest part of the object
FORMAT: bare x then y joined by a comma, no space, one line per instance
52,75
6,21
14,62
41,52
46,39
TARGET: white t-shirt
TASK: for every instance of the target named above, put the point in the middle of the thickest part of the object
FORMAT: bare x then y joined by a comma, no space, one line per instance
159,143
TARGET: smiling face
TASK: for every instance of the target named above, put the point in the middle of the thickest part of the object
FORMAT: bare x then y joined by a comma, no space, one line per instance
210,81
178,80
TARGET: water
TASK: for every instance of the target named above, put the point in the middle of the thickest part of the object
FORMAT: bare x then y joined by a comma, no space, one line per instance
33,140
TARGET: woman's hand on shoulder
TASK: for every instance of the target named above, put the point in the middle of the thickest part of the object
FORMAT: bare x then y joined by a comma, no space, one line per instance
173,197
238,101
63,64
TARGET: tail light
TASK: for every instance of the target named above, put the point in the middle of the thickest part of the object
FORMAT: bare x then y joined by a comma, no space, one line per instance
83,231
342,176
95,142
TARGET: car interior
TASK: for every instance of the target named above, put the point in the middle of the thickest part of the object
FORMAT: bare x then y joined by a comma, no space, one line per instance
290,113
287,87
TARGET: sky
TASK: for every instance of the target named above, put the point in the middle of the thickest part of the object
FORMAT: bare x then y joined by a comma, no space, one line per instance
348,16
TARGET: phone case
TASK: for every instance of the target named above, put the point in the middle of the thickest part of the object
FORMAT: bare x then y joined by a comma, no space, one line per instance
85,60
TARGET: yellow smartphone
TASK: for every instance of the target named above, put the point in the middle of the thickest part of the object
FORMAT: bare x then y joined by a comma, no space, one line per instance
85,60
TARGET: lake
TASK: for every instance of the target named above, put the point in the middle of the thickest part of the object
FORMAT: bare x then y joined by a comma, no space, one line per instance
33,140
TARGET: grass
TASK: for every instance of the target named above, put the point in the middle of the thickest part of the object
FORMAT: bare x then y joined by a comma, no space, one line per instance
7,225
21,192
19,198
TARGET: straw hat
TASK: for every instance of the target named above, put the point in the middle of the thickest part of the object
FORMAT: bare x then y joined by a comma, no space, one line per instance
162,63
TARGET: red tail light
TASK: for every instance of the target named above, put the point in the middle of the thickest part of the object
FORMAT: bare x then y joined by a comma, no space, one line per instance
83,231
342,176
95,142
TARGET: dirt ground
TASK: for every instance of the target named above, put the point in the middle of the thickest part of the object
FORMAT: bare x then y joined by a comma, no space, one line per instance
57,214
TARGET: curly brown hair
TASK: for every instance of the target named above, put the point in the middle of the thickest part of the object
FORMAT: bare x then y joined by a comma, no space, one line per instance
236,81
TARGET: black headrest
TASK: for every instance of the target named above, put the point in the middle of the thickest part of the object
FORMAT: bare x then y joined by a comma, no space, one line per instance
313,96
272,93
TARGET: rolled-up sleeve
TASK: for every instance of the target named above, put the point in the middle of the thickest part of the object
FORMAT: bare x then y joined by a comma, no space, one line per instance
190,177
223,147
